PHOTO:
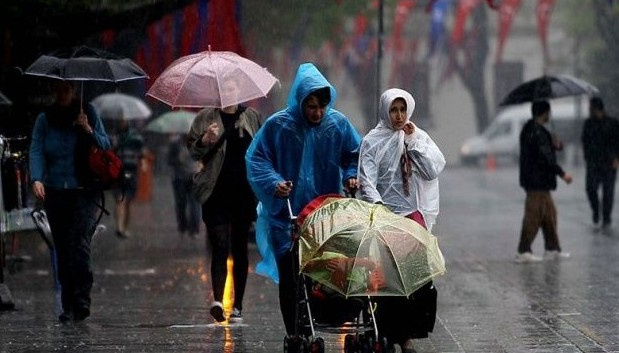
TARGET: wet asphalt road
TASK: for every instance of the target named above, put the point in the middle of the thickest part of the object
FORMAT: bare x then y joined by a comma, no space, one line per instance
151,291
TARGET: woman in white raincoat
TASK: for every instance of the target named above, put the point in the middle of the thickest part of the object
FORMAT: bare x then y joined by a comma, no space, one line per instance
399,166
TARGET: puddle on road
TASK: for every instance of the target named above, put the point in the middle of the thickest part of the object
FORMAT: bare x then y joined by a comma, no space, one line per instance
212,325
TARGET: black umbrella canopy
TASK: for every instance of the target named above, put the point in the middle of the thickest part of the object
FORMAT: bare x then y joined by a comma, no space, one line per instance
4,100
84,63
548,87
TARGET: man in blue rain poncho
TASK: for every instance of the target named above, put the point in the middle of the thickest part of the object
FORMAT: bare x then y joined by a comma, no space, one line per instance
303,151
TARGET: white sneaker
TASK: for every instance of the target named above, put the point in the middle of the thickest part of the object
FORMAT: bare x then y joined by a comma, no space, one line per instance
101,228
555,255
235,316
526,257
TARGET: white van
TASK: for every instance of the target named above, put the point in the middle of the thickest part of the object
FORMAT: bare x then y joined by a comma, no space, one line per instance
501,137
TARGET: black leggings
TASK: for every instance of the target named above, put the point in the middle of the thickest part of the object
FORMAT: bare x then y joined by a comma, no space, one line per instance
222,238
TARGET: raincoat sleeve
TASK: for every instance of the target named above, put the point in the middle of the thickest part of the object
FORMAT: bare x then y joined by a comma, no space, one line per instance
427,157
36,159
350,157
368,174
260,161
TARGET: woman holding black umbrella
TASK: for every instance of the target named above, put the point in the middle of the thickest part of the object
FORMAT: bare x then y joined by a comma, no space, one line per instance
62,136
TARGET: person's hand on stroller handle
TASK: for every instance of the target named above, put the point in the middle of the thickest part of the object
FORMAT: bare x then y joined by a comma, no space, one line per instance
283,189
351,186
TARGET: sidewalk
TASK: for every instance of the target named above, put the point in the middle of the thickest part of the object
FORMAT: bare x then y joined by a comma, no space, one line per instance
151,291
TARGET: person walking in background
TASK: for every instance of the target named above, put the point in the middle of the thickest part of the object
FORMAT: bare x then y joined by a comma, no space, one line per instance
600,142
399,166
219,139
538,177
129,146
61,179
306,150
183,167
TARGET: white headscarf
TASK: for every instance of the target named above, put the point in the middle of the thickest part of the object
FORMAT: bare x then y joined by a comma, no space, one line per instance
380,174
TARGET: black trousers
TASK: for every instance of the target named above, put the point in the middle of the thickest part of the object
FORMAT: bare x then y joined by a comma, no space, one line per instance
72,219
187,208
605,177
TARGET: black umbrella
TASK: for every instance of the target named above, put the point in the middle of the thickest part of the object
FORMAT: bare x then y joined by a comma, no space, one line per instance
548,87
83,63
4,100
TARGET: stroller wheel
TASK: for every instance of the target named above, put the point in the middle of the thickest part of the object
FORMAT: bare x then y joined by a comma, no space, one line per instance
366,343
350,345
317,346
296,344
380,346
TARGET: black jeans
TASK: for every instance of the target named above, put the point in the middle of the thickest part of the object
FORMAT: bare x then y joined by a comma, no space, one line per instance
72,219
605,177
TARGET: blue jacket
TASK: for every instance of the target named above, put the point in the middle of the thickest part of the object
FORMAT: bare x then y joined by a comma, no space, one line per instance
52,150
318,159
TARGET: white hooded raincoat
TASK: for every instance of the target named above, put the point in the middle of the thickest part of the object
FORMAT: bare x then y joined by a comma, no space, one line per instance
380,174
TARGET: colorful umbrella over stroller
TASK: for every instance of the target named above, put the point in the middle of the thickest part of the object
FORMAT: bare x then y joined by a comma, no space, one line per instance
357,248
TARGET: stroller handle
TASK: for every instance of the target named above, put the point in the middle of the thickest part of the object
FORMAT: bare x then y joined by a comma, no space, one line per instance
293,218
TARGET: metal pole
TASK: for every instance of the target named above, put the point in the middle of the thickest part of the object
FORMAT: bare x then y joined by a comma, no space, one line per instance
379,53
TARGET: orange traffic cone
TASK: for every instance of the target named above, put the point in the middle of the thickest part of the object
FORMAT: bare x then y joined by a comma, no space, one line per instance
490,162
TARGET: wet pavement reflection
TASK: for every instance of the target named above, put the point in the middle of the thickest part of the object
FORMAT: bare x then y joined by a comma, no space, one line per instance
152,291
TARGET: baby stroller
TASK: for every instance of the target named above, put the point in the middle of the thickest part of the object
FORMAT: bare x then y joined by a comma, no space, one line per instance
347,253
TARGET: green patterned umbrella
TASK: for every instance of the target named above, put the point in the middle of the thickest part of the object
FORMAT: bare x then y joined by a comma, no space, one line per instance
357,248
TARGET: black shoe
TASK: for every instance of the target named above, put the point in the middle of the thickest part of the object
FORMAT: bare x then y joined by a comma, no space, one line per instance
596,218
122,235
217,312
81,314
66,316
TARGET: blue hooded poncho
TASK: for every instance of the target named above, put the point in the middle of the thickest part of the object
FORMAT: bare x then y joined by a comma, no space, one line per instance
318,159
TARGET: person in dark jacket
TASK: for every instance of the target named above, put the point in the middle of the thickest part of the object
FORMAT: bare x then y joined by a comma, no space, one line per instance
600,142
61,180
538,176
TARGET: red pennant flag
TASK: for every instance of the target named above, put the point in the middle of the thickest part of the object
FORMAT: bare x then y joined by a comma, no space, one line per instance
465,8
507,12
543,11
